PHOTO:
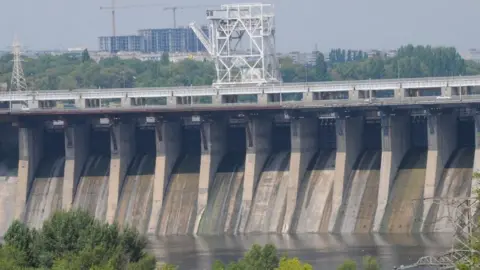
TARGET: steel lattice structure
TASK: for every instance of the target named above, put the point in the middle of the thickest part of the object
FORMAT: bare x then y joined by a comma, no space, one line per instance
463,217
18,82
242,43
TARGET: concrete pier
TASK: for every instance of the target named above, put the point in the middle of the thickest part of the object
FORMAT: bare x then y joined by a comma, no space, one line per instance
168,145
258,135
442,141
213,137
30,143
76,153
476,161
122,146
303,134
395,144
349,137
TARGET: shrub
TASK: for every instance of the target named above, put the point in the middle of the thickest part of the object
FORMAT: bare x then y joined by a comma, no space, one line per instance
74,240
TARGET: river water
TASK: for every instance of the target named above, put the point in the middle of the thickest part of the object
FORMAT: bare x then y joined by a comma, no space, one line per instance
322,251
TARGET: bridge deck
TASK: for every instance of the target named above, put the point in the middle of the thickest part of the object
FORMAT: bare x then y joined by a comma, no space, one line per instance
447,90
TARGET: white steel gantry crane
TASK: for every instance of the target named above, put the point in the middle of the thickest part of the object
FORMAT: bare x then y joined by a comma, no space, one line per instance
242,44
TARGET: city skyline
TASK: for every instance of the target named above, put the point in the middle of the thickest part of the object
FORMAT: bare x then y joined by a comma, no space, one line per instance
346,23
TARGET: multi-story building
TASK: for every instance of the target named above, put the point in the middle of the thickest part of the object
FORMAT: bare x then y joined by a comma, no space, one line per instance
130,43
171,40
472,54
302,57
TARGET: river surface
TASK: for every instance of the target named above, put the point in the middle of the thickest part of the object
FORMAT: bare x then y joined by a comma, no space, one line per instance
321,251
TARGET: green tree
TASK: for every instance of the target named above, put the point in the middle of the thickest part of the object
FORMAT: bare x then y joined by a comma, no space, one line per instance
68,83
257,257
165,59
218,265
370,263
74,240
262,258
321,72
348,265
85,56
293,264
373,68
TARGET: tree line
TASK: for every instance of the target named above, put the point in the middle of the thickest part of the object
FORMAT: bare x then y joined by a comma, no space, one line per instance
70,71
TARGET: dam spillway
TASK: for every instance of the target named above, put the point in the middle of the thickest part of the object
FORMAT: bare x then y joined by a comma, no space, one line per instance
279,173
315,195
222,213
179,212
135,202
91,190
9,156
45,195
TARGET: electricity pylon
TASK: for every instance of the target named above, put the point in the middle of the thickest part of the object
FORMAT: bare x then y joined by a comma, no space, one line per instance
18,82
462,213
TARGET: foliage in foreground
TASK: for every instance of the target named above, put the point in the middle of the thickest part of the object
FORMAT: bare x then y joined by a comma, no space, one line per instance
266,258
74,240
368,263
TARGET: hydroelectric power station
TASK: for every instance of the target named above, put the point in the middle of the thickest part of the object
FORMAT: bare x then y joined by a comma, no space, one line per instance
248,154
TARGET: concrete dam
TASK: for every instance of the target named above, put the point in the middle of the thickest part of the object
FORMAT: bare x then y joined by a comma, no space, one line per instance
362,172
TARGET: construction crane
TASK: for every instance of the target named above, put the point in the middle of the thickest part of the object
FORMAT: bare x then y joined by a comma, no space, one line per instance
113,8
165,8
174,10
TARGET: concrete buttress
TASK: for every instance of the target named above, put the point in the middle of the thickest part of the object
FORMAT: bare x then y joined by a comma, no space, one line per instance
168,146
349,138
122,147
258,134
30,142
76,153
395,144
476,160
303,134
442,141
213,145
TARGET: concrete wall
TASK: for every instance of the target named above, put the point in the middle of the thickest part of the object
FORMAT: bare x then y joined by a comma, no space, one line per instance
168,137
442,141
476,160
77,137
349,145
304,134
213,137
30,144
258,137
395,144
122,143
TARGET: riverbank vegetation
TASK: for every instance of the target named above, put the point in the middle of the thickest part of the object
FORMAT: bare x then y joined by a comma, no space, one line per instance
74,241
69,71
267,258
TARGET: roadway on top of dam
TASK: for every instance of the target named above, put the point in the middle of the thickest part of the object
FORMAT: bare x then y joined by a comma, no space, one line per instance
32,100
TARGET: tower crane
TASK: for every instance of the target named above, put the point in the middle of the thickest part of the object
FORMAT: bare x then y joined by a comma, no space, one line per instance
174,10
113,9
165,8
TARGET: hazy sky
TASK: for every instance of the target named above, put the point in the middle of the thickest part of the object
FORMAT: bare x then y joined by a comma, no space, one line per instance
382,24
